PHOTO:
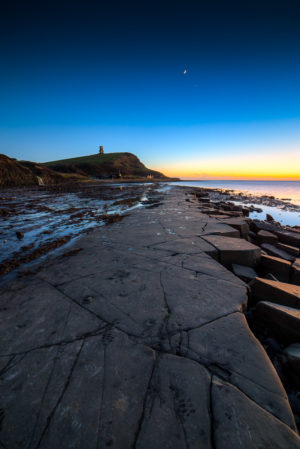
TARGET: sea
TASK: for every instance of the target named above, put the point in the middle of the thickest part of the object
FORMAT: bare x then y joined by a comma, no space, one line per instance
283,190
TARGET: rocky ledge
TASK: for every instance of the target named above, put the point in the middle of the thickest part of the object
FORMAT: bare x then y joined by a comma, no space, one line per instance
139,340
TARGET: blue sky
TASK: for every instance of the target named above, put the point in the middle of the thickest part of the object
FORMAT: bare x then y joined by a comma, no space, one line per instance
80,74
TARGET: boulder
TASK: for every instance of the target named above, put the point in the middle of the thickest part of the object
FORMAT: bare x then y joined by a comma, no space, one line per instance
288,249
295,273
277,252
232,250
277,292
283,321
279,267
244,272
266,237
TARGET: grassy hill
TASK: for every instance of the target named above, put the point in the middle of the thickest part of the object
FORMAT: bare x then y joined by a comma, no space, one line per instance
15,173
92,159
105,166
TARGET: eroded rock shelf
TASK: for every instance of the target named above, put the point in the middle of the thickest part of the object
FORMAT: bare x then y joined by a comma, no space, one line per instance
140,341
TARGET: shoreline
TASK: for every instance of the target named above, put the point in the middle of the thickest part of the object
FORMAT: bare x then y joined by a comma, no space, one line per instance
152,302
286,213
57,224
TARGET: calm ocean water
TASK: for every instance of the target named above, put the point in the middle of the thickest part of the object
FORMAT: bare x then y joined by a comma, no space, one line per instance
278,189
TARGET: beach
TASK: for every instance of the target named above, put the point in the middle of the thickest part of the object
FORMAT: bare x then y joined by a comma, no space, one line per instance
138,336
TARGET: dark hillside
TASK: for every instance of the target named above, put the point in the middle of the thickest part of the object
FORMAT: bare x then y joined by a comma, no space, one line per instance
105,166
14,174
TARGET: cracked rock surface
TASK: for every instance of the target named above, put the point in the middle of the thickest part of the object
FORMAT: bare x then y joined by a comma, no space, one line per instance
140,341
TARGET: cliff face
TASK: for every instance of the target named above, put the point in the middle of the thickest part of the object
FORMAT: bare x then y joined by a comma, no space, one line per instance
105,166
23,173
13,173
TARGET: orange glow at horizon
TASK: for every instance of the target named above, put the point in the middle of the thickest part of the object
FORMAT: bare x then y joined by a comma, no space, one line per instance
261,167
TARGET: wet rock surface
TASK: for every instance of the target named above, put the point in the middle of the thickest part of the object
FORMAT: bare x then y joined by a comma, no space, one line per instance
139,340
52,216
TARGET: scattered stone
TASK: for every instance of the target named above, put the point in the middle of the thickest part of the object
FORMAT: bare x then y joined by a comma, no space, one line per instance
266,237
277,252
283,321
269,217
20,235
244,272
236,251
277,292
279,267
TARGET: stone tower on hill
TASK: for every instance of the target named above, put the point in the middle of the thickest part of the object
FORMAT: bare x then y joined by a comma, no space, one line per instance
101,151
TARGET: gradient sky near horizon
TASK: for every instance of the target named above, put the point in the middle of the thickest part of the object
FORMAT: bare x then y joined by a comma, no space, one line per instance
207,90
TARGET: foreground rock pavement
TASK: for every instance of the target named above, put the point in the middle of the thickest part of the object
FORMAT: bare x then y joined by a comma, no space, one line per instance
140,341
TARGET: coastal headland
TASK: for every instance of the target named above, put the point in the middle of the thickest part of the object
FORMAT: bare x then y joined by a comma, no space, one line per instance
124,167
138,338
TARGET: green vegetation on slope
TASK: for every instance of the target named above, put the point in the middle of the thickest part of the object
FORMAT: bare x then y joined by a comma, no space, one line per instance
15,173
92,159
103,166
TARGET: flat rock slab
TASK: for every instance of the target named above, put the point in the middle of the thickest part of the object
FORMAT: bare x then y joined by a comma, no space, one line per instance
281,268
235,421
288,248
244,272
289,238
221,345
187,246
238,223
284,321
266,237
217,228
139,341
277,252
277,292
236,251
